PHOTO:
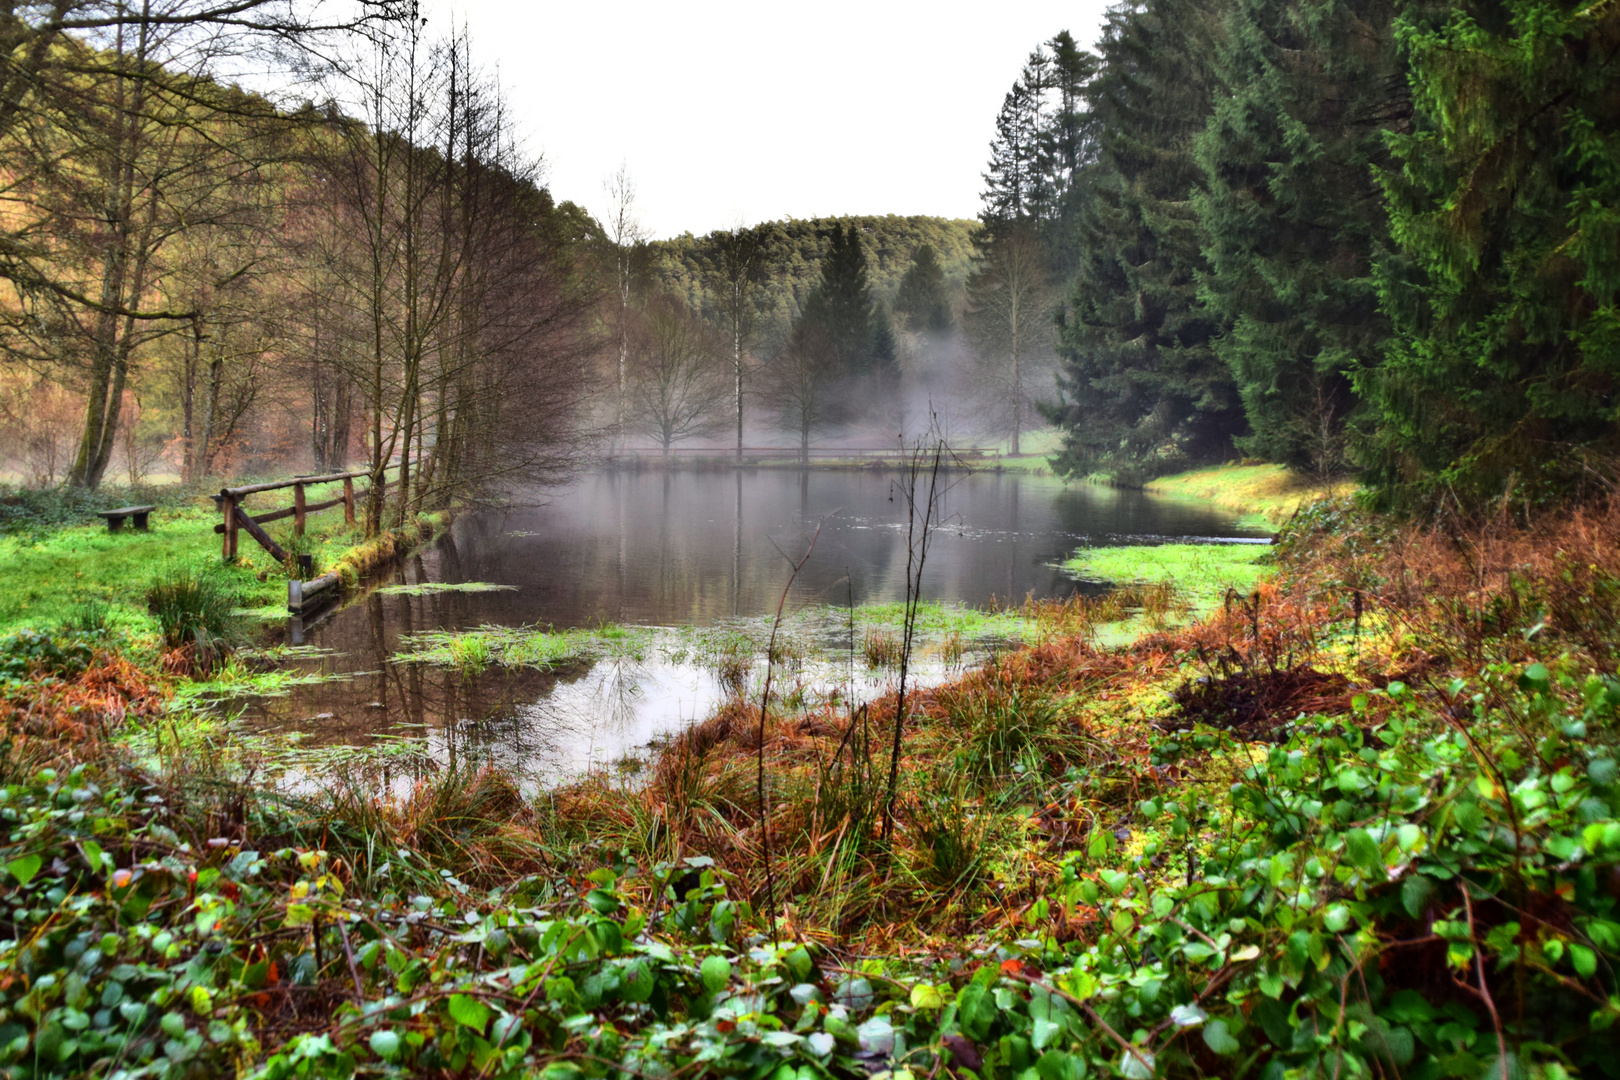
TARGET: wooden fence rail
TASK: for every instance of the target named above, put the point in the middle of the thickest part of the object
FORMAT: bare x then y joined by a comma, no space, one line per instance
864,452
235,519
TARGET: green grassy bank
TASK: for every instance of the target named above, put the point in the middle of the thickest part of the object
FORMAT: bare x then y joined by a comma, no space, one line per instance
1270,493
56,569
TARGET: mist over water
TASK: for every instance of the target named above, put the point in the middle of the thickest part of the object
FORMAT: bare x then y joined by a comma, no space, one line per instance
672,548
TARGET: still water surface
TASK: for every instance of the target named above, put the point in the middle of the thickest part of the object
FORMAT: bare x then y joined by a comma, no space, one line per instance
672,549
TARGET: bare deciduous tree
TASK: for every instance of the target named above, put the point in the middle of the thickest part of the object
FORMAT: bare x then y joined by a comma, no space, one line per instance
738,269
679,386
625,233
800,382
1009,321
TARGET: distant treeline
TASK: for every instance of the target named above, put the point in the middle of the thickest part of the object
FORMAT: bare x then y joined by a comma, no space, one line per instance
791,252
1349,235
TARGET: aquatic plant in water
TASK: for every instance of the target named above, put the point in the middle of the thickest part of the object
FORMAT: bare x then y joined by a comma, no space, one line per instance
428,588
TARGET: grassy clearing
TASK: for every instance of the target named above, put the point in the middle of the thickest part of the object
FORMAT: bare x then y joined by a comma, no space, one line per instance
1265,494
1202,573
45,578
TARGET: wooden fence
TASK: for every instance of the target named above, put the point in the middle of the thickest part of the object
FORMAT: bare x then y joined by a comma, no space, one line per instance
236,519
794,453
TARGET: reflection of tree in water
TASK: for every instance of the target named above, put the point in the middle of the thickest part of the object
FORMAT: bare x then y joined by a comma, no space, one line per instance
668,548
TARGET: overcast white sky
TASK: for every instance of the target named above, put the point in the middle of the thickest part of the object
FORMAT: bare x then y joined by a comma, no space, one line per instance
760,110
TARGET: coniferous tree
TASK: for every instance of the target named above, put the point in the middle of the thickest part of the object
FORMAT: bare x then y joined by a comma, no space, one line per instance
1067,147
1505,366
923,300
1293,216
1142,390
1009,181
842,310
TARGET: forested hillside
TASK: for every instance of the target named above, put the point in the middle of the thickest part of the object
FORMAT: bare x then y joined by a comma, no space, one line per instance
198,281
1348,236
792,251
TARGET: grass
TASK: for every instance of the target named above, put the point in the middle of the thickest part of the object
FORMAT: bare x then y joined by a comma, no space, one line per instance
1202,573
1266,495
46,576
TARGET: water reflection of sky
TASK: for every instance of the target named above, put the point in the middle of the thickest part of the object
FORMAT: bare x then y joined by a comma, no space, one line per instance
683,548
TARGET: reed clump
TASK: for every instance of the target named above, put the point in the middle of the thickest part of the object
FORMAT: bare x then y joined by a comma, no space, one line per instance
881,649
193,608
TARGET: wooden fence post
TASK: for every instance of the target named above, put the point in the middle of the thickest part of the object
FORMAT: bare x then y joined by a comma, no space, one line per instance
227,503
348,501
298,509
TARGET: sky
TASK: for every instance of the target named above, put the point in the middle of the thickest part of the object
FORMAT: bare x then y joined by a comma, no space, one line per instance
728,113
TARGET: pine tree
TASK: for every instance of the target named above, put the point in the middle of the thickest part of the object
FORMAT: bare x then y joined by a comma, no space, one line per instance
1009,180
1067,147
1142,391
922,298
1293,216
1505,367
842,310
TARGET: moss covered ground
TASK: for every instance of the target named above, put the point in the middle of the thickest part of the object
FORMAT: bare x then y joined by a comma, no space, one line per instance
1201,573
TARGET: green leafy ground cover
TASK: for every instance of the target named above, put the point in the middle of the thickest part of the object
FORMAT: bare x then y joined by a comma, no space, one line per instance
1392,876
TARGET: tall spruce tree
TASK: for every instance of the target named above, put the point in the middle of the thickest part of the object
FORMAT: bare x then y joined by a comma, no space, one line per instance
1505,367
1141,388
843,312
1293,215
1010,180
1067,147
923,300
1042,142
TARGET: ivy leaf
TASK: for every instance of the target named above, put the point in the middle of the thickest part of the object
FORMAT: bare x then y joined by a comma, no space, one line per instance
1584,959
1362,851
1219,1039
469,1012
1415,893
716,973
876,1036
1136,1064
924,996
385,1044
1535,678
24,867
1185,1016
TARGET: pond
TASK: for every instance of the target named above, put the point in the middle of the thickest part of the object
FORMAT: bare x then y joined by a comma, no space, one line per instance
709,552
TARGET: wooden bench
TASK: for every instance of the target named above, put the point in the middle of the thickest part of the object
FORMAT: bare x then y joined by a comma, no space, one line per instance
115,518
